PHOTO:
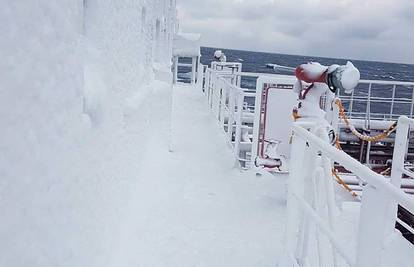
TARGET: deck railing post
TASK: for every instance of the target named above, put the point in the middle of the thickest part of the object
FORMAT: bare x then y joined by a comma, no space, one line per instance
193,69
223,100
412,103
400,145
232,110
296,186
219,93
200,75
207,77
239,114
372,226
376,206
175,69
208,84
398,157
392,101
311,168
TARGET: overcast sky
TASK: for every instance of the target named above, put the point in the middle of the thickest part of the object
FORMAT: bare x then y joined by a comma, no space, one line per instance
357,29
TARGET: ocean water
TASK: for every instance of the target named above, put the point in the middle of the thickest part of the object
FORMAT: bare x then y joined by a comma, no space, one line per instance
370,70
256,62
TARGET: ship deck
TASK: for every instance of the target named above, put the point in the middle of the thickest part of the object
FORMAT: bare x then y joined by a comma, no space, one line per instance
194,208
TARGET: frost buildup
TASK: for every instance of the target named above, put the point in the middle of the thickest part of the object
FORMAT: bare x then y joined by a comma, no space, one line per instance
68,70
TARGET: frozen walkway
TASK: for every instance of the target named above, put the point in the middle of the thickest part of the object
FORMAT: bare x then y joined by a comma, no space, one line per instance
192,207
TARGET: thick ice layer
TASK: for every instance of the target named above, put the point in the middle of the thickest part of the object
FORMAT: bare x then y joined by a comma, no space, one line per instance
66,158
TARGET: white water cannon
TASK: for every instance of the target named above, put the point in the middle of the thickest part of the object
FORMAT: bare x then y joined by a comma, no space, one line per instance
345,77
220,56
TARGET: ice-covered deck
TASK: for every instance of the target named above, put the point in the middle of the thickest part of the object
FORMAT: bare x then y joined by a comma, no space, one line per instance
192,207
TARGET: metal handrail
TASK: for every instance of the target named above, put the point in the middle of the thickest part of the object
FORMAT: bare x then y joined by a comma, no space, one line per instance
380,196
356,167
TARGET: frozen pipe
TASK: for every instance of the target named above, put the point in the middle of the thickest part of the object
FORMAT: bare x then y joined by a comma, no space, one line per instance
185,65
353,180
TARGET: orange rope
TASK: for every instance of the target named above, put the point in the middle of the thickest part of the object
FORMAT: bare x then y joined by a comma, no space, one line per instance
386,172
337,144
341,182
367,138
295,114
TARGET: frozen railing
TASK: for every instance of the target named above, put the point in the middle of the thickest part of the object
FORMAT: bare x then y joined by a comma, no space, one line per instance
310,200
229,104
371,100
398,169
220,79
372,108
310,189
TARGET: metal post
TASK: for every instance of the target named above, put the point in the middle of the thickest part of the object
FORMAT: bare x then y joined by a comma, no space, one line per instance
412,103
310,163
199,68
295,186
392,100
175,69
193,69
368,108
368,122
232,103
351,104
223,100
239,114
372,227
200,75
398,157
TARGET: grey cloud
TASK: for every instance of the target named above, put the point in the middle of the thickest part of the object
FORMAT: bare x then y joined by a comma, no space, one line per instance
370,29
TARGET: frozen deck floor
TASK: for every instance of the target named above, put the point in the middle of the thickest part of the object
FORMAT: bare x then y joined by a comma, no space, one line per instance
193,208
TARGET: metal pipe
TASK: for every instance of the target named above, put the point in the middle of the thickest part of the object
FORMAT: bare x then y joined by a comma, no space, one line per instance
392,100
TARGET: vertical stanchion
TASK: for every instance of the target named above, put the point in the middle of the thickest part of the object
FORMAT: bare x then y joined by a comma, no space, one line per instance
171,130
295,186
175,69
193,69
398,157
239,114
372,226
223,101
232,110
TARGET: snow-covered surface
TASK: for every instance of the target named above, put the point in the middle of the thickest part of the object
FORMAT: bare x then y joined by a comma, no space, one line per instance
397,250
192,207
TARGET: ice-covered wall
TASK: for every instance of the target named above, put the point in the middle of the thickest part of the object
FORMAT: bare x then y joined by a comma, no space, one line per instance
126,39
67,160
